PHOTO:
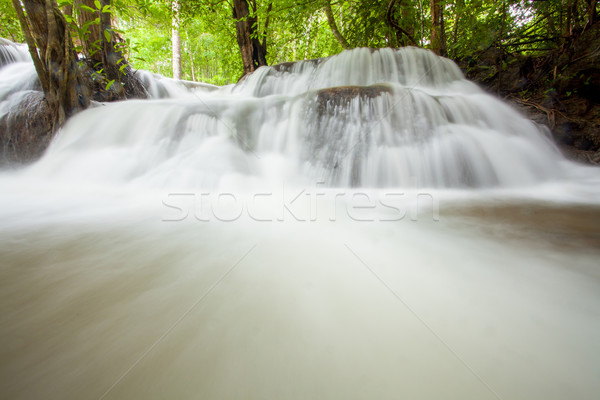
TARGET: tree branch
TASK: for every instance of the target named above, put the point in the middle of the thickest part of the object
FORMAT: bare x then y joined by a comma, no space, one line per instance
269,8
33,50
391,22
333,26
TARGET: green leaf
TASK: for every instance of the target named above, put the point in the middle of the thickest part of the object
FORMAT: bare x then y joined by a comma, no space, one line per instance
107,35
106,9
110,83
97,4
86,8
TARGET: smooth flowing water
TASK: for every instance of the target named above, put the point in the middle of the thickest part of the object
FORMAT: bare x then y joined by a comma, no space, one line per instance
367,226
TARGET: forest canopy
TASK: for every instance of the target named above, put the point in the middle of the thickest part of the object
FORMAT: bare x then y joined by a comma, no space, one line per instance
204,36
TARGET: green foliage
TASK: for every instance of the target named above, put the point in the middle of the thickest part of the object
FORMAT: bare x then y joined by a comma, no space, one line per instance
300,30
364,25
9,24
210,51
304,29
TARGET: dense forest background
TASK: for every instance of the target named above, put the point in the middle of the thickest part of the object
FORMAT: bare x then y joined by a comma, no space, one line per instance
294,30
543,55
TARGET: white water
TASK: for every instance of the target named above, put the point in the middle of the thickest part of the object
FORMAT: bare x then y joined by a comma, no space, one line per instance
420,240
17,76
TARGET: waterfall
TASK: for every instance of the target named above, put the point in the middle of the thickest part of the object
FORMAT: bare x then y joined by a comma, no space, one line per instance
370,225
364,118
17,74
11,52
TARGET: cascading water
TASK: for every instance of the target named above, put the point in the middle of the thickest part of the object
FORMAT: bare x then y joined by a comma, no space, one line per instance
363,118
12,53
370,225
18,74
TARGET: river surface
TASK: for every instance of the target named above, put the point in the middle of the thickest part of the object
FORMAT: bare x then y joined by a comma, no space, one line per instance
271,241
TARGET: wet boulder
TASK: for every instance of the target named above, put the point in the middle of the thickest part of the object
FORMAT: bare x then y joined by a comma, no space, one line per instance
25,128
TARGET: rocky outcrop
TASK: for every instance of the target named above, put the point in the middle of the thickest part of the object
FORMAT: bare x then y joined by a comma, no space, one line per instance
26,129
560,90
342,95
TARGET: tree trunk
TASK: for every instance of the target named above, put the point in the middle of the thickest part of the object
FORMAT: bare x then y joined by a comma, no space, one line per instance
101,48
254,54
570,5
92,39
269,8
591,11
438,44
67,9
192,66
332,25
459,7
308,36
422,18
112,58
400,32
176,41
54,57
443,42
190,54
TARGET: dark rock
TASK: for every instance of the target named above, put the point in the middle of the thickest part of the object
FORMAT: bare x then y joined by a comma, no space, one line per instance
25,130
583,143
284,67
342,95
346,93
562,134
